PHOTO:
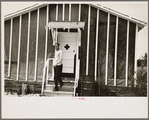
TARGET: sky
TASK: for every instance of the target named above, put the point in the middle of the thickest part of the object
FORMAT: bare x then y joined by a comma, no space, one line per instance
138,10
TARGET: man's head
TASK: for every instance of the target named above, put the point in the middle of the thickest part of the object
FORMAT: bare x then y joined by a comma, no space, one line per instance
57,46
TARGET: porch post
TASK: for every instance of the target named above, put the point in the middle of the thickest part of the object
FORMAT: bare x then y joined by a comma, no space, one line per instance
36,56
116,43
107,50
96,49
127,50
79,16
136,43
10,47
88,39
70,12
29,14
18,62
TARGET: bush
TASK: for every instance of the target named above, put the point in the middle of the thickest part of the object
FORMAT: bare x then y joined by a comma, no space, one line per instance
140,86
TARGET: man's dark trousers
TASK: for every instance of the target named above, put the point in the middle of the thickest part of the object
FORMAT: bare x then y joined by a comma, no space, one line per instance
57,75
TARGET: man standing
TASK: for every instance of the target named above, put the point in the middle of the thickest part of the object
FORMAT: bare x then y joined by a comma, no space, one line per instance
58,66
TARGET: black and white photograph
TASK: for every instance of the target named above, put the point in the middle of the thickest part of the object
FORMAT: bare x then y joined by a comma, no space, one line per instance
75,52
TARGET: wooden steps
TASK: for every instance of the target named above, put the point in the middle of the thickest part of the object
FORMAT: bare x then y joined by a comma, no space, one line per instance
58,93
67,89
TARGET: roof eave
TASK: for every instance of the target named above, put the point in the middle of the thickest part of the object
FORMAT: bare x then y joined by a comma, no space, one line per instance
24,11
141,24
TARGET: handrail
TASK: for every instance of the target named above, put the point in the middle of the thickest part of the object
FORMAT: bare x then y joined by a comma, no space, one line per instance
77,76
44,73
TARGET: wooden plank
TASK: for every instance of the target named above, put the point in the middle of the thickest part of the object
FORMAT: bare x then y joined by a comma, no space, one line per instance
47,71
19,44
65,25
63,17
28,38
136,42
88,39
79,16
56,34
46,42
36,56
127,50
79,39
56,12
96,49
70,12
116,43
107,49
10,48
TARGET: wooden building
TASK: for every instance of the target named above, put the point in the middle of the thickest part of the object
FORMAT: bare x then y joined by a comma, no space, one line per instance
99,44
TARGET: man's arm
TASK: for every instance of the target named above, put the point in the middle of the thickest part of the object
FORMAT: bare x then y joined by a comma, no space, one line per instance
61,53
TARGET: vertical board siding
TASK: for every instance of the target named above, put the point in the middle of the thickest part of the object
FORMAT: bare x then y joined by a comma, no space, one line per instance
10,47
47,29
84,17
121,49
19,45
32,47
63,13
41,42
127,51
70,12
111,54
51,48
37,40
60,12
131,54
79,14
52,12
107,49
102,38
56,12
66,13
96,49
15,41
28,38
92,38
23,46
74,12
6,44
88,39
115,59
46,40
135,60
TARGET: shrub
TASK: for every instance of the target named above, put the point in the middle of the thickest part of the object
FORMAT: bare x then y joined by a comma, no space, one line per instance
140,86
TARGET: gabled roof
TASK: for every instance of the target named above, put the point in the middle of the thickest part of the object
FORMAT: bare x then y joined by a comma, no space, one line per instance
98,6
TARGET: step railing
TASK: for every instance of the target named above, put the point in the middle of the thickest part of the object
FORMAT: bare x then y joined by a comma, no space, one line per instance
44,73
77,75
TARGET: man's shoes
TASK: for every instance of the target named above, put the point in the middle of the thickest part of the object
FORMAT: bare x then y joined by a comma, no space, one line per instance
55,89
61,85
